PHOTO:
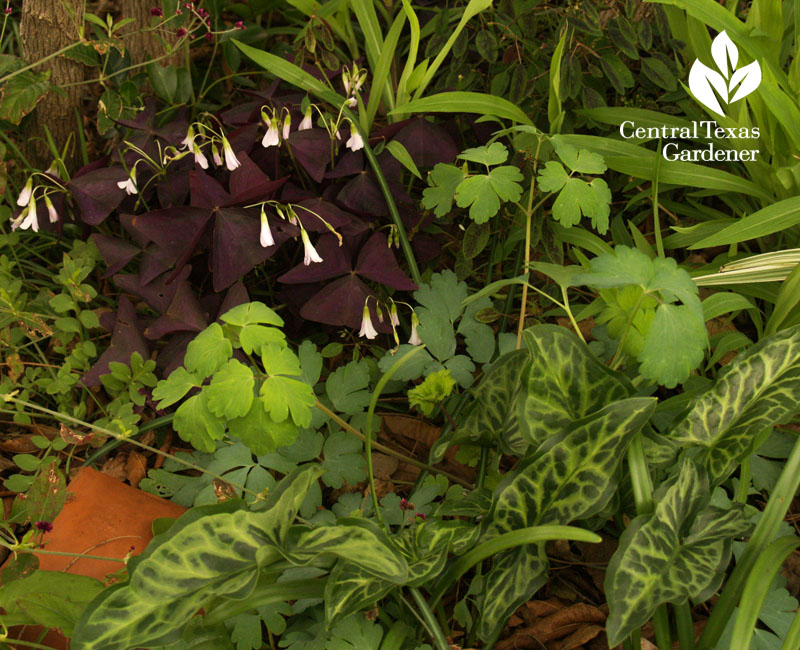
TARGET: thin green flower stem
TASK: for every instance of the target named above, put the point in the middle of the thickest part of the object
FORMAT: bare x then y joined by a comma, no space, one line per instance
511,290
133,441
656,218
483,463
766,529
113,444
434,630
27,644
79,555
743,487
387,195
368,431
388,450
683,621
792,640
520,537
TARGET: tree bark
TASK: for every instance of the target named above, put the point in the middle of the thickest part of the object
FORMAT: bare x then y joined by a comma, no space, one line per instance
47,26
142,45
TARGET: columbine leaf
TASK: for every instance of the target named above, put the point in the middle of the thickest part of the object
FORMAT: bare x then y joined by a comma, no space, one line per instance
284,395
484,192
344,461
260,432
581,161
680,551
656,318
208,351
443,181
230,393
175,387
197,425
252,313
493,154
756,391
252,337
355,633
552,177
674,328
280,360
345,387
436,387
579,198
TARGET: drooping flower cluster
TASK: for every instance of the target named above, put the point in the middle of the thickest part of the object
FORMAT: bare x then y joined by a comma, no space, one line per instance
28,218
368,329
216,140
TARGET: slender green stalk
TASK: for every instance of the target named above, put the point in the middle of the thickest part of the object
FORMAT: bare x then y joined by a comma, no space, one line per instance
27,644
683,621
743,486
656,218
113,444
765,531
661,628
368,431
133,441
758,584
83,556
430,620
792,640
387,195
521,537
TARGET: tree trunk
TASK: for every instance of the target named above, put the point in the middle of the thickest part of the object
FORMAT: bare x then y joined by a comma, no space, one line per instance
144,45
47,26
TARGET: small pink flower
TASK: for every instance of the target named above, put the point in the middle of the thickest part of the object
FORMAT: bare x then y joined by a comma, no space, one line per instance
178,11
414,338
209,36
306,123
44,526
239,25
265,237
180,32
51,211
156,11
421,515
310,253
8,11
231,161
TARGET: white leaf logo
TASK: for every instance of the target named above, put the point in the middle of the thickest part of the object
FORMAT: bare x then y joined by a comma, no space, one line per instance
729,84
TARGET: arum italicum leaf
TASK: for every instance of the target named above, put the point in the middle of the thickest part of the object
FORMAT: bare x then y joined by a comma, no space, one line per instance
753,393
574,479
207,552
679,551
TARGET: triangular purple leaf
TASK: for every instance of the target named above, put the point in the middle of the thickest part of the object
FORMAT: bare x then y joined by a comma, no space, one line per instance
427,143
334,216
335,262
125,340
97,193
177,231
116,252
206,191
376,261
183,314
312,148
339,303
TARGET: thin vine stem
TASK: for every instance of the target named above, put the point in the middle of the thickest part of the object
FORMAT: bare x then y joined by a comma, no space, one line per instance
133,441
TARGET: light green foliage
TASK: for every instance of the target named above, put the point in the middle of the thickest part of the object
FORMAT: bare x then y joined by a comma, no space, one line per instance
481,193
436,387
563,383
230,393
351,588
261,408
641,310
208,552
208,351
346,387
572,479
344,460
355,633
753,393
440,308
49,598
576,197
680,551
